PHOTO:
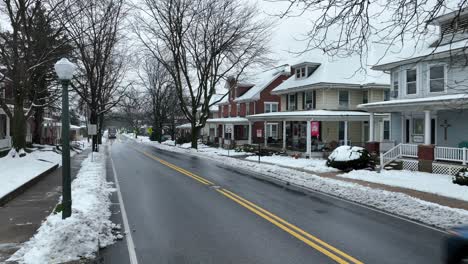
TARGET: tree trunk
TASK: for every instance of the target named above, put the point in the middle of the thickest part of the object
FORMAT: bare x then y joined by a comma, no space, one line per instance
101,124
194,136
19,128
37,133
93,120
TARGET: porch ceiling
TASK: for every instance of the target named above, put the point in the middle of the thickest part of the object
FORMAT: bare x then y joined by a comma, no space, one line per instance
314,115
228,120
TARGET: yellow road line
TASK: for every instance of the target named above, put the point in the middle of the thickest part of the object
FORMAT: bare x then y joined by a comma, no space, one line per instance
286,229
297,229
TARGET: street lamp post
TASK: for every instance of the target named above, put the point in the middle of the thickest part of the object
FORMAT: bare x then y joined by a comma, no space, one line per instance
65,69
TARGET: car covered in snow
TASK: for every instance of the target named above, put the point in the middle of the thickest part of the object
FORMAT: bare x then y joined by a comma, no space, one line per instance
456,245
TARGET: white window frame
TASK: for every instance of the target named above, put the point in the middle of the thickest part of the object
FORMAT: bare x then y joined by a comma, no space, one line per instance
349,99
289,102
389,129
396,79
415,82
270,104
301,72
367,93
238,109
269,130
429,77
247,108
306,97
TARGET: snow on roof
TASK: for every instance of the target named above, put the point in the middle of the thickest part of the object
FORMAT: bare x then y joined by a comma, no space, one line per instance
261,81
423,51
228,120
340,71
432,100
217,99
313,113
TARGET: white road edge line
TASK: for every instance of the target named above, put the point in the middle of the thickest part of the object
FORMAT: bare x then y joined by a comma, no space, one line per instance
128,235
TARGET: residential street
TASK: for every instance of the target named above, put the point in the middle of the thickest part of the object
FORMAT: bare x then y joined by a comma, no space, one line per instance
184,209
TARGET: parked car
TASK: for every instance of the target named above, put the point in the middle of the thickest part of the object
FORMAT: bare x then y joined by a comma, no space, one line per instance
456,245
112,133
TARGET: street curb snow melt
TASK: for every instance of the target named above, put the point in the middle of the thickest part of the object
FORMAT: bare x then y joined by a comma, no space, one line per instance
393,202
82,234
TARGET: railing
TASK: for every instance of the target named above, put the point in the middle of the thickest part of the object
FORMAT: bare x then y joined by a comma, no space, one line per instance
409,150
451,154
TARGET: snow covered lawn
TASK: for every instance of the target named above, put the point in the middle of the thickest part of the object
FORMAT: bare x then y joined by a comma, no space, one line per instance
392,202
425,182
82,234
314,165
14,172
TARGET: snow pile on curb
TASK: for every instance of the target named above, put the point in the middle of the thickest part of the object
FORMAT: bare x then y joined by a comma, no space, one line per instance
313,165
421,181
393,202
82,234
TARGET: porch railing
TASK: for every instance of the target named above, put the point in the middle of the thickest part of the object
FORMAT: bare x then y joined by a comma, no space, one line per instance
451,154
409,150
400,150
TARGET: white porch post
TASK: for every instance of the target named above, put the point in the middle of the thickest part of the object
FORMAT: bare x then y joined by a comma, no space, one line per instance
346,133
250,133
284,135
308,139
265,133
216,130
232,133
371,127
427,127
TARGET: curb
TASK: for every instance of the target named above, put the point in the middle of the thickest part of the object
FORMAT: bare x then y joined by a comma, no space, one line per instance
11,195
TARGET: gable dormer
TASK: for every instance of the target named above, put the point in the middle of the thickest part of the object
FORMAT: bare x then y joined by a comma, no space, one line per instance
452,27
304,69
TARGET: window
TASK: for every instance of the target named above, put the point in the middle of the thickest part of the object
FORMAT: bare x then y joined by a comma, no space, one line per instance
247,108
238,110
343,99
303,72
300,72
308,100
365,97
395,83
386,95
418,126
272,131
386,129
437,78
411,81
271,107
292,101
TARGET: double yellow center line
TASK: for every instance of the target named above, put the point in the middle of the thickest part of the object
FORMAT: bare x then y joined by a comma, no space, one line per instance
314,242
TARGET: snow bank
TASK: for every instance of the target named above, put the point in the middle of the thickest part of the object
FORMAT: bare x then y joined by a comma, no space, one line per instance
14,172
314,165
392,202
82,234
439,184
346,153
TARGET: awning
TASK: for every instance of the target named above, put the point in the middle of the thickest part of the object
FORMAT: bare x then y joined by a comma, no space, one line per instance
451,101
314,115
228,120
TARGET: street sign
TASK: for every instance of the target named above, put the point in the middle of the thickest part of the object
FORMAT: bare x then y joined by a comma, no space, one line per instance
259,133
92,129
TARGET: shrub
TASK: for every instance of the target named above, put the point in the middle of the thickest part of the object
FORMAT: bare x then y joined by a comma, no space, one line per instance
461,178
347,158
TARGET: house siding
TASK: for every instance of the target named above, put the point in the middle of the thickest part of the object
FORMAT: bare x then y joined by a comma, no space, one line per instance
457,132
395,127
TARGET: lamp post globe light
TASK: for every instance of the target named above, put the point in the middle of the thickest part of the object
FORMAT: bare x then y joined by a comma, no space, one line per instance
65,70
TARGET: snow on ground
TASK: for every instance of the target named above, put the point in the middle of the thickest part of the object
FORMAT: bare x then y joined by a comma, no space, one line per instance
392,202
421,181
314,165
82,234
17,171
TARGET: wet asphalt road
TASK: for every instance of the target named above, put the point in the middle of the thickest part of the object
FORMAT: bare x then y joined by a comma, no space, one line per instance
175,218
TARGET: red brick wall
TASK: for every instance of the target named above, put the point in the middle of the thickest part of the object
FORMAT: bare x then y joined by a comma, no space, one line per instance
266,96
242,109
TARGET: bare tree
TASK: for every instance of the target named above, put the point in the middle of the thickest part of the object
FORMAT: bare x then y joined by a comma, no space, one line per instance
201,43
134,107
350,27
96,34
29,46
161,90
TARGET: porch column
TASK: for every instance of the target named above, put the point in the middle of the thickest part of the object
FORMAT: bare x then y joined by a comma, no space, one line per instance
427,127
7,126
308,140
216,130
371,127
265,133
284,135
232,133
346,133
250,133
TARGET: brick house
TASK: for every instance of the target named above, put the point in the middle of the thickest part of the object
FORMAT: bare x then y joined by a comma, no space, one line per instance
249,97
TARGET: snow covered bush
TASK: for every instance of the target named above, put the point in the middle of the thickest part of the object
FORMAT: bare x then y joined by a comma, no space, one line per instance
462,177
347,158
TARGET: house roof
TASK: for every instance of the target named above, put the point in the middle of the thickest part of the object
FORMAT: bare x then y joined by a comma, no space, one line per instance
342,72
430,103
217,99
424,51
449,16
318,115
261,81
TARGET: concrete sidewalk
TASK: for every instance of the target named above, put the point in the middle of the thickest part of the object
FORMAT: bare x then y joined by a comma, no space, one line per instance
22,216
